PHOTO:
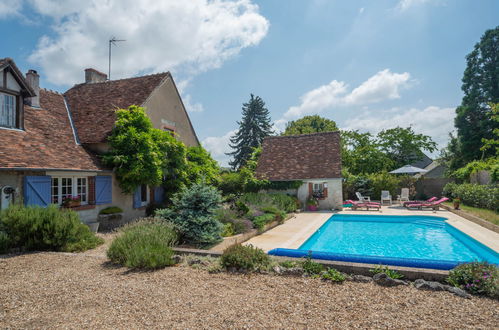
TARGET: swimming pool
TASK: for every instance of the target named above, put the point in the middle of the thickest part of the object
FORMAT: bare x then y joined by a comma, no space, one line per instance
411,241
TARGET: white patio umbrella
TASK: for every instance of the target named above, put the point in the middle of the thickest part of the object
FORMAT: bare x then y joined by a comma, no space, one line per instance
408,169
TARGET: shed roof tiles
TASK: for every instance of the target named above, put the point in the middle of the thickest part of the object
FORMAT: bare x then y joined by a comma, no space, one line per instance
299,157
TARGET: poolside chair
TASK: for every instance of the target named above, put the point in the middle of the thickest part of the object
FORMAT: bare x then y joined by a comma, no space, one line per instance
433,205
357,205
385,196
432,199
362,198
404,195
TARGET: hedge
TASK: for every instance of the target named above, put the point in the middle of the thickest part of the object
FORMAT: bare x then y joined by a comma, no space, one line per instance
483,196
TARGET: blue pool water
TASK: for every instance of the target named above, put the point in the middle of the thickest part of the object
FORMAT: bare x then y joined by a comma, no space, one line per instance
417,241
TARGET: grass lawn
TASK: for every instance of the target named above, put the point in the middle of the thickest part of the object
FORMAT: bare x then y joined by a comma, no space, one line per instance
485,214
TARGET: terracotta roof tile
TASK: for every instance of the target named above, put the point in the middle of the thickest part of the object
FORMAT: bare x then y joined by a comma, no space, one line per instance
47,141
307,156
92,105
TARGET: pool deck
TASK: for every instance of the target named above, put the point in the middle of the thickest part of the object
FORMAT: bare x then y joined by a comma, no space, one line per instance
294,232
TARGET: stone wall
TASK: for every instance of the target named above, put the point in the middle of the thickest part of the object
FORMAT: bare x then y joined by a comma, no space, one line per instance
334,198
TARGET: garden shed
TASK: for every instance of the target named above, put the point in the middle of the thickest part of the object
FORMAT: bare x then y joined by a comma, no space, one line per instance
314,159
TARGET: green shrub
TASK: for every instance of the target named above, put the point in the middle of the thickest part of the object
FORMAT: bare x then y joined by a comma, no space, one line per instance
193,214
476,277
240,225
4,242
333,275
280,201
245,258
483,196
50,228
260,221
228,230
288,264
311,267
384,269
111,210
279,214
242,208
145,245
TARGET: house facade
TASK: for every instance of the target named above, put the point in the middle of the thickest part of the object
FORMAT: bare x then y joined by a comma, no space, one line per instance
51,142
314,159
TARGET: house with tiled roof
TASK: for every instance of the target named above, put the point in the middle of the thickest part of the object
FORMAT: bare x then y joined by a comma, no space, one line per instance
314,159
51,142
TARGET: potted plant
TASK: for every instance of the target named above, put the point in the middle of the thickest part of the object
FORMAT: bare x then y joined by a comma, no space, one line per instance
312,204
71,201
457,202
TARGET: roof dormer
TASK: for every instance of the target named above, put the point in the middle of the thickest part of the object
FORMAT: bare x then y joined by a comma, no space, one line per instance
15,91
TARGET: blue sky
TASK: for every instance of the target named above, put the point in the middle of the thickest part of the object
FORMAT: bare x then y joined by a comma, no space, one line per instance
368,65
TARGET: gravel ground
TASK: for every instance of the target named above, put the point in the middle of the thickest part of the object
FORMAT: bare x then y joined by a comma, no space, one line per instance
56,290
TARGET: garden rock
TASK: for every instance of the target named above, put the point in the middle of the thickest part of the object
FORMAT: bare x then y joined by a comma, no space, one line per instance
177,259
429,285
458,292
361,278
198,261
385,280
292,271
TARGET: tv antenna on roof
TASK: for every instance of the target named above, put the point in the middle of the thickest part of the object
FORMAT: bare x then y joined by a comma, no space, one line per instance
112,41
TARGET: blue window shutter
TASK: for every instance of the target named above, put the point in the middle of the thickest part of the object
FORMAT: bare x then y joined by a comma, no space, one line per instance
159,195
103,189
37,190
136,198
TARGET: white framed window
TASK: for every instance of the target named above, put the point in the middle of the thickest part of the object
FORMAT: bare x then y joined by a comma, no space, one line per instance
8,110
144,195
318,187
69,186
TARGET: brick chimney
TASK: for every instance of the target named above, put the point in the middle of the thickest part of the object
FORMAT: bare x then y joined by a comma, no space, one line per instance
94,76
33,80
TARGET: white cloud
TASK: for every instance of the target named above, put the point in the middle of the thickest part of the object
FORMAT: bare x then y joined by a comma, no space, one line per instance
10,8
190,106
218,146
384,85
361,10
432,121
187,36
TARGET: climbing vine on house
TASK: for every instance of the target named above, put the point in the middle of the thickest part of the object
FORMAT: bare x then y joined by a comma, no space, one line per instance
142,154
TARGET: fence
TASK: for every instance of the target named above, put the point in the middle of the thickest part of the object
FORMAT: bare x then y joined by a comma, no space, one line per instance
429,187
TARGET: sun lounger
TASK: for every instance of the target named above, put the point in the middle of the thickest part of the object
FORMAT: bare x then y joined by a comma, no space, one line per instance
432,199
362,198
433,205
357,205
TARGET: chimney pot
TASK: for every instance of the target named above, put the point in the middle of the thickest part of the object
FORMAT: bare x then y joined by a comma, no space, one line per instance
94,76
33,80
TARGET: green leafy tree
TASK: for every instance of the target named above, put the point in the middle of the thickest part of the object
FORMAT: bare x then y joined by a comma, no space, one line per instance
141,154
361,153
201,167
492,143
253,128
403,145
480,86
310,124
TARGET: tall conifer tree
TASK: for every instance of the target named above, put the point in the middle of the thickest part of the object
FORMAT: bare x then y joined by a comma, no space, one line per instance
480,87
253,128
